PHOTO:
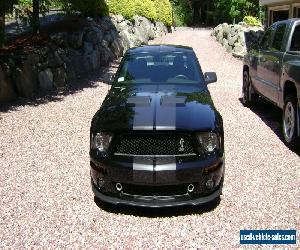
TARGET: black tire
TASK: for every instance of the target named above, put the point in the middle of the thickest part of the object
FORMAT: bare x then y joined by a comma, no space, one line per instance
250,98
290,122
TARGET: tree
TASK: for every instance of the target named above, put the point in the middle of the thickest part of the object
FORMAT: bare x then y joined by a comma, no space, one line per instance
6,6
35,21
236,10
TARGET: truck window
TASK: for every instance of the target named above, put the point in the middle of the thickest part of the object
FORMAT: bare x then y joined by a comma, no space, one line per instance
295,44
278,37
267,38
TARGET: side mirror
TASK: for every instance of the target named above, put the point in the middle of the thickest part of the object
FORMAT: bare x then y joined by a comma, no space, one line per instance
210,77
108,78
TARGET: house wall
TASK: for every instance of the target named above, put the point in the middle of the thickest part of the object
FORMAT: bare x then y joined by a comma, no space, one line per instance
277,5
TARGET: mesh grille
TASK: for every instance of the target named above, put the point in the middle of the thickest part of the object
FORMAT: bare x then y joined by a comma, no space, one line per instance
154,145
155,190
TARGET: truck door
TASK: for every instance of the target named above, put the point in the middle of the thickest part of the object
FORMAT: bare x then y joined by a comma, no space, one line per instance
270,61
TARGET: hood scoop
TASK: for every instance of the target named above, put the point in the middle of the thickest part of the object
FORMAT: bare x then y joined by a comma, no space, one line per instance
171,101
139,101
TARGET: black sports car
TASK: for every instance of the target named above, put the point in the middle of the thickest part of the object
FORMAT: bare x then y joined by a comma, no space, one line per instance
157,140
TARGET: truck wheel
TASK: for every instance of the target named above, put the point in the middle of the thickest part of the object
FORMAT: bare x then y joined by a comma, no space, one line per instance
249,96
289,121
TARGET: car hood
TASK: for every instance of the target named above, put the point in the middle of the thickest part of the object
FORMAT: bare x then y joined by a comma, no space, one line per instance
155,107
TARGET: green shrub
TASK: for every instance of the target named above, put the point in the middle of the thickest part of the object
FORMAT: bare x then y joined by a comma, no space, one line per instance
89,7
182,13
252,21
163,11
124,7
155,10
145,8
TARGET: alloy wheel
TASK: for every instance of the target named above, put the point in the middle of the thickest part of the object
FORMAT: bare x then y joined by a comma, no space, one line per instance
289,121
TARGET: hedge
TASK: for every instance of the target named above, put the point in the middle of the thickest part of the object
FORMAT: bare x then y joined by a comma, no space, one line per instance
155,10
252,21
164,11
124,7
88,7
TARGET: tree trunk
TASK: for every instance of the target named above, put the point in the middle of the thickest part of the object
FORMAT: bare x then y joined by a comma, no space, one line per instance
2,26
35,15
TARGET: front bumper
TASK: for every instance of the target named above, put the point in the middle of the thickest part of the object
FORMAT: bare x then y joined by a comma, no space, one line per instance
157,203
162,185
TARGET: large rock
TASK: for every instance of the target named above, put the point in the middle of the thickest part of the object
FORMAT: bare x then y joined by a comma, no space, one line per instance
121,26
119,18
106,56
60,39
160,29
232,40
94,35
144,27
54,60
87,47
59,77
7,92
94,60
139,38
128,38
106,24
76,39
237,38
26,77
117,47
46,79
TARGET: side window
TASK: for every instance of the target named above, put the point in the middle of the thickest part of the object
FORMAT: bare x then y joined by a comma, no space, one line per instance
295,44
278,37
267,38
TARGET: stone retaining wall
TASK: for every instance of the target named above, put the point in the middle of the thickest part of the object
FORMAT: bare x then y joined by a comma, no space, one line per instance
69,55
237,38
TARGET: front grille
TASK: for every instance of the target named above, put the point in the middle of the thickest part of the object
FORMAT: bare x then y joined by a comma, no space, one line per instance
170,190
154,145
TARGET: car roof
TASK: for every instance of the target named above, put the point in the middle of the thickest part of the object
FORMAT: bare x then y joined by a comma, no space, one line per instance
159,49
288,21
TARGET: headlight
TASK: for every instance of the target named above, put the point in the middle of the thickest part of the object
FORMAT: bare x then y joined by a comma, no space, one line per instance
208,141
101,141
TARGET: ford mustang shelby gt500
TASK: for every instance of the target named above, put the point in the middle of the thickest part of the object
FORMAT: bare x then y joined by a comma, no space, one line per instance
157,139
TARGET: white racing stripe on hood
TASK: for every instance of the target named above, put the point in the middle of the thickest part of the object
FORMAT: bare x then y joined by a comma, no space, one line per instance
142,164
167,164
166,107
143,117
143,170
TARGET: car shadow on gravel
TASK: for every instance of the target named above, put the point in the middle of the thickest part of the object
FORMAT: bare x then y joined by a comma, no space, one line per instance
157,212
271,115
90,80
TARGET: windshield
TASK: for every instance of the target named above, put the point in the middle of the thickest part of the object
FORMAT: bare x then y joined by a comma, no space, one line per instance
160,68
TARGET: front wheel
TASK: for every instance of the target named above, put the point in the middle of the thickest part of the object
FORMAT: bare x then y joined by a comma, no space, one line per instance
290,123
249,96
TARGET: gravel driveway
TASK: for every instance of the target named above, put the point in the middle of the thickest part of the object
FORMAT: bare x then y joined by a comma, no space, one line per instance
46,197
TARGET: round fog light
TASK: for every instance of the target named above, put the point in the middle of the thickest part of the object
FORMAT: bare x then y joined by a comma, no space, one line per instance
210,184
119,187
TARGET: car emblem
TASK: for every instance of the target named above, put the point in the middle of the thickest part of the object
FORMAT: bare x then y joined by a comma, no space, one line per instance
181,142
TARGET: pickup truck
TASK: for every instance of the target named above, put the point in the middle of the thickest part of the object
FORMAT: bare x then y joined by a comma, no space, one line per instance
272,70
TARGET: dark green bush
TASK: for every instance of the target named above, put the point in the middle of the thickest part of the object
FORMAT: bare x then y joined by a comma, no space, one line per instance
183,14
89,7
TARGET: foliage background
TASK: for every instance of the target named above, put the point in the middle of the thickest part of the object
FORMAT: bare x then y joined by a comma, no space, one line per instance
155,10
182,12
